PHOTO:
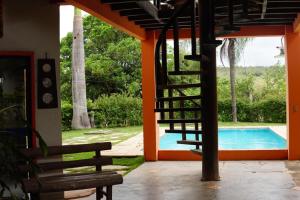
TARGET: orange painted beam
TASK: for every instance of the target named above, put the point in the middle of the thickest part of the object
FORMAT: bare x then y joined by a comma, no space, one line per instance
185,155
292,49
183,34
104,12
150,127
247,31
296,24
259,31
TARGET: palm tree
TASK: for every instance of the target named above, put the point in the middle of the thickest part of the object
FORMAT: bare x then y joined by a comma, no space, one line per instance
232,49
80,115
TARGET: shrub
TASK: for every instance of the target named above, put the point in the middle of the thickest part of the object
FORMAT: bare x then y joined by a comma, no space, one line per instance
269,111
66,115
109,111
118,110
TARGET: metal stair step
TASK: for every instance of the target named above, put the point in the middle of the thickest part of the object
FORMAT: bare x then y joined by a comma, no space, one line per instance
176,121
186,131
213,43
189,142
197,151
231,28
179,98
195,57
223,33
180,86
225,30
180,73
177,109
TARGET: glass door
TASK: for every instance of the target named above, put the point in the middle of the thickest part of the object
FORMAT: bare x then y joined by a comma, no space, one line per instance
15,98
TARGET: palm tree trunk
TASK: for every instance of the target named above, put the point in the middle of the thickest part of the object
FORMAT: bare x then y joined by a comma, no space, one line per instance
232,62
80,115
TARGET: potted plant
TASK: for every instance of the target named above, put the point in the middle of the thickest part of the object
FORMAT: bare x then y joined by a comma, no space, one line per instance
11,157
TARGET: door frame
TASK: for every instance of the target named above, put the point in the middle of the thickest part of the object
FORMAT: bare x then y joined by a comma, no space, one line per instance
30,88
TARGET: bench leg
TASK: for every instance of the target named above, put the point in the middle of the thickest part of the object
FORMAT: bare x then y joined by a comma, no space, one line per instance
99,194
109,193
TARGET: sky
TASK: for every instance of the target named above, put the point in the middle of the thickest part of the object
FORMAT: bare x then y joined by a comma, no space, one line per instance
258,52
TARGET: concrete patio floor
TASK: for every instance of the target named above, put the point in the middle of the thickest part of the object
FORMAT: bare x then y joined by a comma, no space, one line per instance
240,180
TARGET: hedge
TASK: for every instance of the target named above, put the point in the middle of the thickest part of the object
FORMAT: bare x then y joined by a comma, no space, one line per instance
121,110
118,110
269,111
66,115
109,111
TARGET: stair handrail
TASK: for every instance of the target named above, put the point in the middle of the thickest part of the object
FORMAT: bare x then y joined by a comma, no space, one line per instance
162,34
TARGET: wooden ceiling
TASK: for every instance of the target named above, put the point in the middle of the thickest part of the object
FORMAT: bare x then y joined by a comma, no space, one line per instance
255,12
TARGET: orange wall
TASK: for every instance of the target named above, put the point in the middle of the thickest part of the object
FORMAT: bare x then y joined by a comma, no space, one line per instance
151,132
293,92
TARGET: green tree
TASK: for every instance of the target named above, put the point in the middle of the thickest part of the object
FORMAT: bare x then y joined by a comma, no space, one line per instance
113,61
65,67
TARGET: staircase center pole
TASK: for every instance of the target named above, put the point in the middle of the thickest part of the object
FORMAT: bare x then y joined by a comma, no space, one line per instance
210,158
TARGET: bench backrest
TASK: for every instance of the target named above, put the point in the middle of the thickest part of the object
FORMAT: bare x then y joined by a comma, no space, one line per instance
48,164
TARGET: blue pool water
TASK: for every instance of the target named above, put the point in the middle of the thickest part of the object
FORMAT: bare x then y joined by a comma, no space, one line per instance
259,138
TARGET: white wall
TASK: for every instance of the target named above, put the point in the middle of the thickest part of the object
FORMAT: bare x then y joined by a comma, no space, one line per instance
33,25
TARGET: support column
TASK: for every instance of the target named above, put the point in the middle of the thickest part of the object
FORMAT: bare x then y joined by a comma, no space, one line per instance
151,131
208,44
292,49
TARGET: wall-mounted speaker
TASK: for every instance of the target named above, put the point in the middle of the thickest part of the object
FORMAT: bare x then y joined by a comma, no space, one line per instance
47,89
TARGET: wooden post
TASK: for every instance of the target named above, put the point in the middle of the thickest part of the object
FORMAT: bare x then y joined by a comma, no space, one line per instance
210,165
99,193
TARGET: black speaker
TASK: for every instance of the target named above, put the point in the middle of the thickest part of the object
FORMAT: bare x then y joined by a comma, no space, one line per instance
47,89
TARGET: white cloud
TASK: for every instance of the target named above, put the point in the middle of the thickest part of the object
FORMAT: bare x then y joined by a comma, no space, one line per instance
260,52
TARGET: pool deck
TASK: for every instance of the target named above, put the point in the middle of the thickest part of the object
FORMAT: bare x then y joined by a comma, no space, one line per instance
240,180
280,130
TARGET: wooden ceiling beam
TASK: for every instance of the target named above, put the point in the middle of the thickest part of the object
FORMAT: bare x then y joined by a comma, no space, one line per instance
132,12
120,1
60,2
104,12
124,6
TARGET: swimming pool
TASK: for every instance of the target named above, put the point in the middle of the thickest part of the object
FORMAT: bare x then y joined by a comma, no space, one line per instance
231,139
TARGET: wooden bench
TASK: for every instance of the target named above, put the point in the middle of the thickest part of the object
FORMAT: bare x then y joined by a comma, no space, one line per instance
35,184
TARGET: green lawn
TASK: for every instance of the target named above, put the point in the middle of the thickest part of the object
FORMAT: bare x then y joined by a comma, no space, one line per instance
114,135
129,164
